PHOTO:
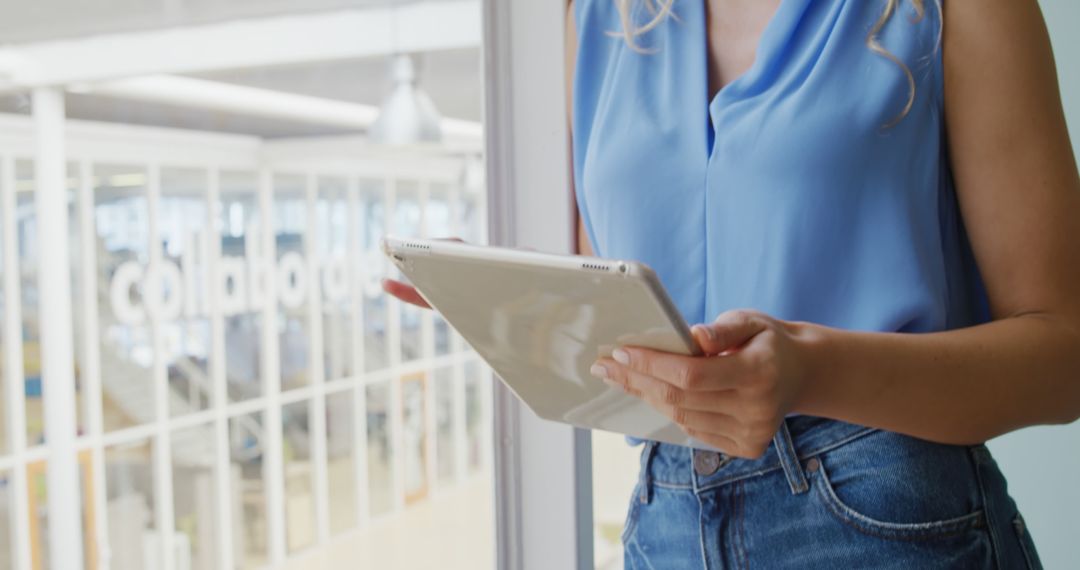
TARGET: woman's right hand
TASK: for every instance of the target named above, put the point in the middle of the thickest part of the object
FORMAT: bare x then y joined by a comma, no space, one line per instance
406,292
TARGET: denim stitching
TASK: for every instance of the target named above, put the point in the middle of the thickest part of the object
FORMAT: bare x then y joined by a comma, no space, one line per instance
835,444
1018,526
673,486
900,531
740,491
770,468
975,453
737,478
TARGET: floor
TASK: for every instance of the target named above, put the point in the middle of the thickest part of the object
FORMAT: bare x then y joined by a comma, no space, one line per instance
454,529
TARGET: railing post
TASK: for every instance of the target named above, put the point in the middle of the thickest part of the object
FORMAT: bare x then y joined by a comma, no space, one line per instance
55,322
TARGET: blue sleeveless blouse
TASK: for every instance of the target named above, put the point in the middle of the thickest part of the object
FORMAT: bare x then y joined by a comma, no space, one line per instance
785,192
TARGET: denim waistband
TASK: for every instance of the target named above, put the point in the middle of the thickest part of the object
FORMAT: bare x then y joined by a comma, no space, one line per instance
799,438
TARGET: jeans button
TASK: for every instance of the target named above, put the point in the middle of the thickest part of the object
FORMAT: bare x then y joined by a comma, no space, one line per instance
706,462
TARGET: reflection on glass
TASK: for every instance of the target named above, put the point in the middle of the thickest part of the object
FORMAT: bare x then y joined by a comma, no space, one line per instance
444,423
472,218
299,496
474,413
193,495
27,246
122,233
615,471
130,495
439,225
78,343
414,436
407,223
185,326
241,283
6,562
341,460
246,438
380,486
293,288
372,268
332,213
37,497
5,445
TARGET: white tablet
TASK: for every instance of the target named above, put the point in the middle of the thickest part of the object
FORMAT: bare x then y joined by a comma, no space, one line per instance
541,320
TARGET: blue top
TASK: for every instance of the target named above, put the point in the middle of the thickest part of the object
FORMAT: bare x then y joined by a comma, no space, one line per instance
785,192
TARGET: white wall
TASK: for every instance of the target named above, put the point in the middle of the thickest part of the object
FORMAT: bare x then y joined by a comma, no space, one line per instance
1043,464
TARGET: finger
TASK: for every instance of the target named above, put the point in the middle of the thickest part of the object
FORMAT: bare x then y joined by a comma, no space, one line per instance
693,373
659,393
405,292
725,444
704,422
730,330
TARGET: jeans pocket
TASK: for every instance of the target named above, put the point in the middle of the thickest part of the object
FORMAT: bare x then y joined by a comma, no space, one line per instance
1027,546
856,518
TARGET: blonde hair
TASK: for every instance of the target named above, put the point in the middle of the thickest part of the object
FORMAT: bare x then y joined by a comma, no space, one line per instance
662,10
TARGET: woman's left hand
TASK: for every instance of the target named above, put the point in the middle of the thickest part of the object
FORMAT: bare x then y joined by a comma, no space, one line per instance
733,398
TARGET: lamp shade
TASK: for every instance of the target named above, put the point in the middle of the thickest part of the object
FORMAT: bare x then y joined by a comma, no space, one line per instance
407,114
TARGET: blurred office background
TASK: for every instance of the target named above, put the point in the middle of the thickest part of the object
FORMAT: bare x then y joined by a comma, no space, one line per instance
244,396
244,393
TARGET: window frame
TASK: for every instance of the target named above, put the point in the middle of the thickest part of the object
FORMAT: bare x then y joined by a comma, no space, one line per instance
543,470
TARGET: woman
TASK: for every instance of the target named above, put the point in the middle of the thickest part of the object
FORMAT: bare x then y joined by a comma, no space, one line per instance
871,201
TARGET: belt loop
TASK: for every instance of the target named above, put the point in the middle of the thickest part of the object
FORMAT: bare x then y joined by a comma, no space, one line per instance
789,459
644,488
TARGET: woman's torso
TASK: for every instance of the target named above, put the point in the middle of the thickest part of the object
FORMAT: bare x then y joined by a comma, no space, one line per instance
785,192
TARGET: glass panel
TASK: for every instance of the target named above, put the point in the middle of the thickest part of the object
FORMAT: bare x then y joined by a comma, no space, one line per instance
473,215
371,222
407,223
439,225
299,474
27,266
341,460
5,444
246,437
332,213
380,486
445,449
290,231
6,553
475,376
414,434
27,236
194,497
615,470
242,283
127,355
130,495
185,326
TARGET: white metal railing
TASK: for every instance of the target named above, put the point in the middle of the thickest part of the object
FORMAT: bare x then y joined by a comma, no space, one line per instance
153,152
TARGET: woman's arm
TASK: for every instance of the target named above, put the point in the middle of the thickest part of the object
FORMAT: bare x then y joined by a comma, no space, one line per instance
1019,193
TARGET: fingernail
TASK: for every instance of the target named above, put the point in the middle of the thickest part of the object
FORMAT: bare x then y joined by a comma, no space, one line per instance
599,371
621,356
708,331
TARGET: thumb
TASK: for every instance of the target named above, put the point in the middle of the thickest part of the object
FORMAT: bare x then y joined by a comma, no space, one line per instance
729,331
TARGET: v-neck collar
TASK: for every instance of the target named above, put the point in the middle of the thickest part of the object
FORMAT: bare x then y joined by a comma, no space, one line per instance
777,28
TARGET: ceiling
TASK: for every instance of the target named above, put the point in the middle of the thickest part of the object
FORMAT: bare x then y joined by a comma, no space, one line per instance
39,20
452,78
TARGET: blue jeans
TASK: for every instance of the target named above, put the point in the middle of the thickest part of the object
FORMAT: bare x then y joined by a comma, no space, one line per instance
825,494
